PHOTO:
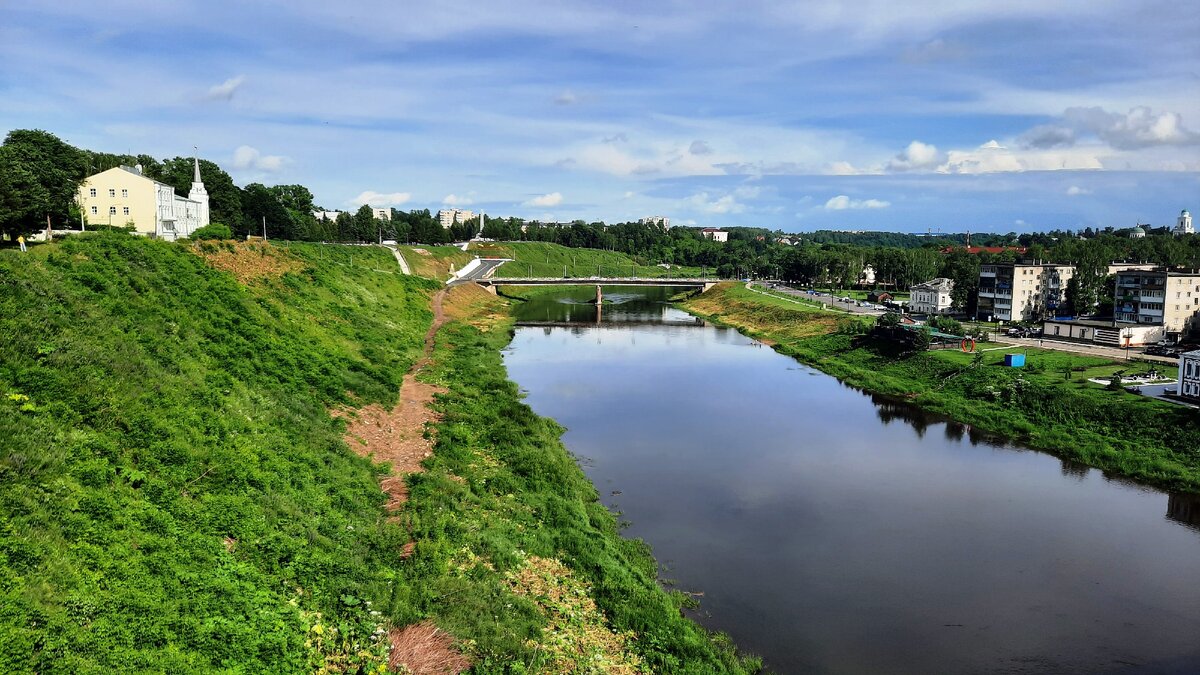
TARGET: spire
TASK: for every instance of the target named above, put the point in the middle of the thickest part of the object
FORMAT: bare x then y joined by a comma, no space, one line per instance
196,159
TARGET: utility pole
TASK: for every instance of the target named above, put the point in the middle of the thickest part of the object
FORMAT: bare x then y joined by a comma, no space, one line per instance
264,221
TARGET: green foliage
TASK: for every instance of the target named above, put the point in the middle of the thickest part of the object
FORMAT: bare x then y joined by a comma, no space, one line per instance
946,324
174,496
39,176
213,231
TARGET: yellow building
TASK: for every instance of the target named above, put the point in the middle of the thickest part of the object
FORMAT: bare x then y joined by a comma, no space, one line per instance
124,196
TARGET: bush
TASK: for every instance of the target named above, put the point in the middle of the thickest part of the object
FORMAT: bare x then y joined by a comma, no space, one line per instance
213,231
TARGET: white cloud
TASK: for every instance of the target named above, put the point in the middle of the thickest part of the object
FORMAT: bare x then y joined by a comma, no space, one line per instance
842,169
1140,128
225,90
381,198
843,202
1075,191
629,194
249,158
1047,136
916,156
566,97
992,157
699,147
545,201
726,204
455,200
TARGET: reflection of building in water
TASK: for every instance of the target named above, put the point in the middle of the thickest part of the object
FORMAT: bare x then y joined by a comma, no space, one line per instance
1184,508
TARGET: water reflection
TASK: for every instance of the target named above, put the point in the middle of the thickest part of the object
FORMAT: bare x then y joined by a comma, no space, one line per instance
1184,508
829,540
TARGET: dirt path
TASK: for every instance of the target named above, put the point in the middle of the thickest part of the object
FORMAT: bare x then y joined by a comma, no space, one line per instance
398,435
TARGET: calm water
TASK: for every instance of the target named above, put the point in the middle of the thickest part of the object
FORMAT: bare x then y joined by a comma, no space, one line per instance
833,532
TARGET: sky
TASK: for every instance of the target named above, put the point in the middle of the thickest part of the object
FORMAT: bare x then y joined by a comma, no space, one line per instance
989,116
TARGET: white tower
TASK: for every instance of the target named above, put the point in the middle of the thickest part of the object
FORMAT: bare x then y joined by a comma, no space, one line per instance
1184,224
198,193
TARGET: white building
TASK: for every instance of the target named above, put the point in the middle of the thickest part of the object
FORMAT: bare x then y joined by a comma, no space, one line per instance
447,217
326,215
664,221
1189,375
867,278
1137,232
1184,224
1021,291
382,214
124,196
931,297
714,233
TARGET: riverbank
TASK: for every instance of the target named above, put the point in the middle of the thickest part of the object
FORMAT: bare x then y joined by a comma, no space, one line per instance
191,468
1046,405
503,505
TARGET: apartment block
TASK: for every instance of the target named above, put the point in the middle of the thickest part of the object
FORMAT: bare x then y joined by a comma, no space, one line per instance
1159,297
1021,291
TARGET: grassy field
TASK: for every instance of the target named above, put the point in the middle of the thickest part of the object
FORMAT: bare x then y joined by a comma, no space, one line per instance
541,259
1048,405
434,262
175,495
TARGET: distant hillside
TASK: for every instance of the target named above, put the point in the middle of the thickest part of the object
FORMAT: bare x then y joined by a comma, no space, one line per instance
542,259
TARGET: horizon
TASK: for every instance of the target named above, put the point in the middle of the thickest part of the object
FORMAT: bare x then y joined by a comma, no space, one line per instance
995,117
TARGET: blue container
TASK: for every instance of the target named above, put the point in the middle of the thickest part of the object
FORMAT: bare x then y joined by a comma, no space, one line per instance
1014,360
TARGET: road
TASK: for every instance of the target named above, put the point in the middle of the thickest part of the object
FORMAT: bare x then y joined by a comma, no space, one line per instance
826,298
484,270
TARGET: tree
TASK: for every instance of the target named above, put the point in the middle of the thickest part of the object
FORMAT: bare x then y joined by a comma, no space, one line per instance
260,205
365,228
43,178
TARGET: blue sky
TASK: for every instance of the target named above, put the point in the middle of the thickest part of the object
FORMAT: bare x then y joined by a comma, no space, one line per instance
988,115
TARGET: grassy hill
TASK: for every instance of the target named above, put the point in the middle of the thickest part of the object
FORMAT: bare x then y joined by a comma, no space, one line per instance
542,259
175,495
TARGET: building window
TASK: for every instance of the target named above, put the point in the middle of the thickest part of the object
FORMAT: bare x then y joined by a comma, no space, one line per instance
93,208
112,210
112,192
92,192
124,192
126,210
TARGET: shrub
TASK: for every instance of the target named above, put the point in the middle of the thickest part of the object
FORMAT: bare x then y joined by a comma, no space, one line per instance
213,231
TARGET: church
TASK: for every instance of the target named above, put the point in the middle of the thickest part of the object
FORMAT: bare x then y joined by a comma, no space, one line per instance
124,196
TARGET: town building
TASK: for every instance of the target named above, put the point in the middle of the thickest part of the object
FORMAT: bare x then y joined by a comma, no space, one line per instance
1138,232
714,233
448,217
1152,305
331,216
1189,376
866,279
1021,291
664,221
382,214
1184,224
125,196
931,297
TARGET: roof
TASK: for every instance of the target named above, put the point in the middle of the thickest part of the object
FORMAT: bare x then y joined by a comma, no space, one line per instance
139,174
938,284
712,229
1092,323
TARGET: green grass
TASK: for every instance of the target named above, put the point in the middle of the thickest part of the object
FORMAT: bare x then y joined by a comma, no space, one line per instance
501,488
1135,436
175,496
541,259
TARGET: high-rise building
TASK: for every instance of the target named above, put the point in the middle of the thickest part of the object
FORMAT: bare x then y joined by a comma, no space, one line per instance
663,221
447,217
1021,291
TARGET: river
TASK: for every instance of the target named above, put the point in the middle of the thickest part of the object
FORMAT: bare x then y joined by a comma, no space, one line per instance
830,531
